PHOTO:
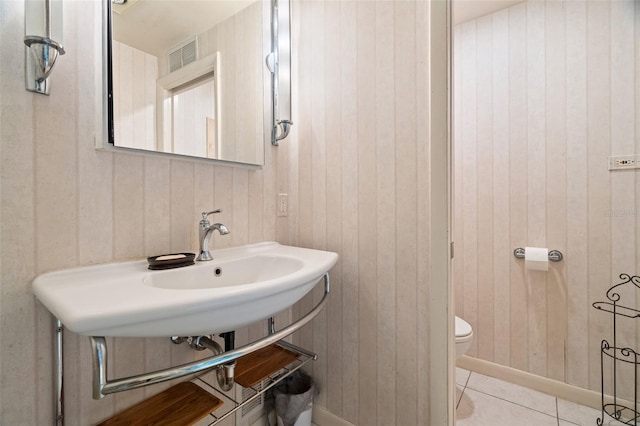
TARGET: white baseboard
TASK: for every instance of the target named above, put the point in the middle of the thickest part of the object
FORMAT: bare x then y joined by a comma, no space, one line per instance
323,417
542,384
593,399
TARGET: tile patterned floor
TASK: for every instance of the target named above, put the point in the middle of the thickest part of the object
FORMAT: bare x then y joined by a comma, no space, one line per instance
485,401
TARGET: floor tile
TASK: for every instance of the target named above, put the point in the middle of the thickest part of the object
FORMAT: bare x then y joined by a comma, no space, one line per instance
582,415
514,393
459,391
479,409
462,376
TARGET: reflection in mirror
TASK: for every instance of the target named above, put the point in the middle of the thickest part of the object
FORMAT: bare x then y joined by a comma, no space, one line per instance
188,77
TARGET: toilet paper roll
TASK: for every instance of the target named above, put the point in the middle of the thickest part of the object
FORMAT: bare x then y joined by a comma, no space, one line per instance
536,258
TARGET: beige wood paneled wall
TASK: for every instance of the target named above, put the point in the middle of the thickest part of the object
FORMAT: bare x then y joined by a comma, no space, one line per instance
63,204
134,85
545,92
356,169
239,39
358,186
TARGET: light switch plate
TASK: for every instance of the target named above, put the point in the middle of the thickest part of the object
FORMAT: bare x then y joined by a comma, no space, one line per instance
283,205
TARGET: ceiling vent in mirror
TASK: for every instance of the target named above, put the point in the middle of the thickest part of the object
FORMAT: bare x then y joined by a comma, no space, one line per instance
183,55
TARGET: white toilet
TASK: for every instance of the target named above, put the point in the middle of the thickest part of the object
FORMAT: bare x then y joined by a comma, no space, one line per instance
464,336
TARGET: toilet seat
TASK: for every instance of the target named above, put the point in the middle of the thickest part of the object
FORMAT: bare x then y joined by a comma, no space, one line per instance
464,336
463,331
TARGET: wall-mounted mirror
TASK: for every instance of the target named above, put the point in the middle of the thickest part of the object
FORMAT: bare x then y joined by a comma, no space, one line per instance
189,77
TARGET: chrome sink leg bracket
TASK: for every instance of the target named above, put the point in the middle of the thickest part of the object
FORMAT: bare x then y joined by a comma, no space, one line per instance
58,376
102,386
99,350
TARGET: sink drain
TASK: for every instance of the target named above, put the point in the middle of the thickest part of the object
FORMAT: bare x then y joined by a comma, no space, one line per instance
217,272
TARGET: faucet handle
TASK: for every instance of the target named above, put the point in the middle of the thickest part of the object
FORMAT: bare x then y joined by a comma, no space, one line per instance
206,214
205,222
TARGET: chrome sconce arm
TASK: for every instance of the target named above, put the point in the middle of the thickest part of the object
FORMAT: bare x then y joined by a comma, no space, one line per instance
42,51
279,64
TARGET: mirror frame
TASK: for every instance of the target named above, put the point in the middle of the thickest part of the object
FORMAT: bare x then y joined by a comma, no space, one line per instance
107,141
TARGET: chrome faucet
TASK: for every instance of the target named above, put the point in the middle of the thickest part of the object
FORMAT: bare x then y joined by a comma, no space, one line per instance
205,230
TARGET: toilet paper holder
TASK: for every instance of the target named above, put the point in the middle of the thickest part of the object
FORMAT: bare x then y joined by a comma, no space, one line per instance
554,255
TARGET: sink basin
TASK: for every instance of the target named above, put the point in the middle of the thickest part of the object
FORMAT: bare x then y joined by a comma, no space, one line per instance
241,285
227,273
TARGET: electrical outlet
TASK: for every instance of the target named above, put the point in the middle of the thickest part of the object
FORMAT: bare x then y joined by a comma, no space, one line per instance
623,162
283,205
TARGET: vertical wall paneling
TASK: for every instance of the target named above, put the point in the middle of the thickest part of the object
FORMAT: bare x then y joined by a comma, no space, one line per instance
54,220
183,232
305,207
636,20
318,142
292,158
545,93
424,291
362,78
518,182
134,85
501,181
256,201
334,191
95,231
223,198
124,76
304,232
598,178
128,243
484,155
469,224
578,306
383,301
351,126
66,204
230,75
356,167
128,205
536,188
157,205
623,194
556,185
457,150
367,356
240,207
157,239
406,211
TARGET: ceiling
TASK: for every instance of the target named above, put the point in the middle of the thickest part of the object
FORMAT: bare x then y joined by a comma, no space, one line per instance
466,10
155,26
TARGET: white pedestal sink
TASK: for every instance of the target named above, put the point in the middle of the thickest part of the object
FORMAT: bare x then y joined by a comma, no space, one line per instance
240,286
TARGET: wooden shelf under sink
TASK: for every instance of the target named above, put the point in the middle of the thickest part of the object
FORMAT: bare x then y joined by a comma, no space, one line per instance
251,369
183,404
186,403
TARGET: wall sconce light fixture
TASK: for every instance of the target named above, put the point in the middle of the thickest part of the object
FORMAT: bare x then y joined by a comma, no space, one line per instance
42,50
279,63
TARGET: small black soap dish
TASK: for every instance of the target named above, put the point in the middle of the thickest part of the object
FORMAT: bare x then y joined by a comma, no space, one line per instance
170,261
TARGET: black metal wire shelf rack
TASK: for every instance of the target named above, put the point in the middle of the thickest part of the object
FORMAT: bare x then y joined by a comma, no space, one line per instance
616,359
